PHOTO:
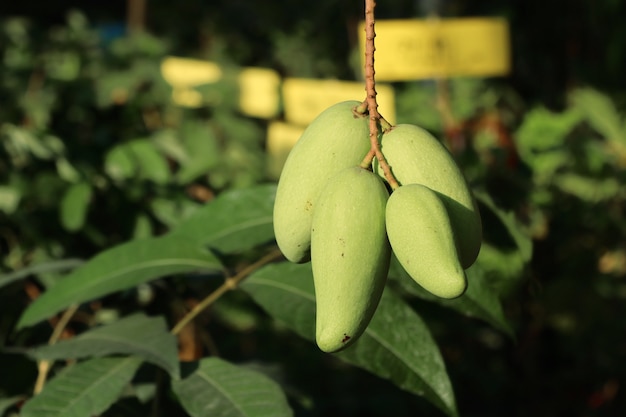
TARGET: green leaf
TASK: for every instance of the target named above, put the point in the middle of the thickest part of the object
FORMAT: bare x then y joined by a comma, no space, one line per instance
138,335
235,221
119,163
6,403
172,211
74,206
543,130
600,112
152,165
138,158
120,268
396,345
9,199
479,301
202,149
590,189
83,390
220,389
515,229
39,268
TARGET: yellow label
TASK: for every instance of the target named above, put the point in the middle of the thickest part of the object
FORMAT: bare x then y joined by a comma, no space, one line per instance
259,92
422,49
305,99
185,72
280,139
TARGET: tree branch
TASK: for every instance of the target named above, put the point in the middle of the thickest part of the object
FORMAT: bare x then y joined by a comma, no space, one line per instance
372,105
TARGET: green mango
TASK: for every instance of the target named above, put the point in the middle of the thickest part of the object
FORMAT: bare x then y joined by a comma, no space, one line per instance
338,138
421,237
350,255
416,157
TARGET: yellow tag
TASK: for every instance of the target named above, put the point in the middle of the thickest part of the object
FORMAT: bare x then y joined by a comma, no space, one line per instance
259,92
280,139
185,72
422,49
304,99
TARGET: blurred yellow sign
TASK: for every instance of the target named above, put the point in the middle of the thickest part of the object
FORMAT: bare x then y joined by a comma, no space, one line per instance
432,48
259,90
280,139
304,99
185,73
259,87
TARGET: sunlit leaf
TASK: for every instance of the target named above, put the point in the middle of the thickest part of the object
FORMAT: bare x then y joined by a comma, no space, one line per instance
9,199
138,158
74,206
235,221
120,268
202,148
83,390
590,189
600,112
517,232
220,389
397,345
138,335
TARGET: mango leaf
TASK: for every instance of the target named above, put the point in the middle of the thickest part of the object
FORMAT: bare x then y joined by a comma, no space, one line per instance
9,199
152,165
397,345
39,268
139,335
590,189
120,268
517,232
479,301
6,403
82,390
202,149
600,112
119,163
543,130
74,206
220,389
235,221
138,158
172,211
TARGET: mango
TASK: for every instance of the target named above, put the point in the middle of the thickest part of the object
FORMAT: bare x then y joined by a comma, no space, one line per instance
350,255
416,157
338,138
421,237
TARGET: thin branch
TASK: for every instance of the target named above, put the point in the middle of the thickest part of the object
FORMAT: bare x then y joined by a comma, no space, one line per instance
372,105
43,366
229,284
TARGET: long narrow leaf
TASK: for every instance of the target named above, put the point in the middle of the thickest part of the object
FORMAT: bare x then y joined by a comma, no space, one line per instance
40,268
397,345
479,301
139,335
235,221
6,403
120,268
220,389
83,390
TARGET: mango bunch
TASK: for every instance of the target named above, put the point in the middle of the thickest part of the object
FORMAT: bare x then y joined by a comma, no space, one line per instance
347,221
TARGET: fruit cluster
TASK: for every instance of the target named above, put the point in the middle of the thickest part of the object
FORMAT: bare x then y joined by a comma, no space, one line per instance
342,217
